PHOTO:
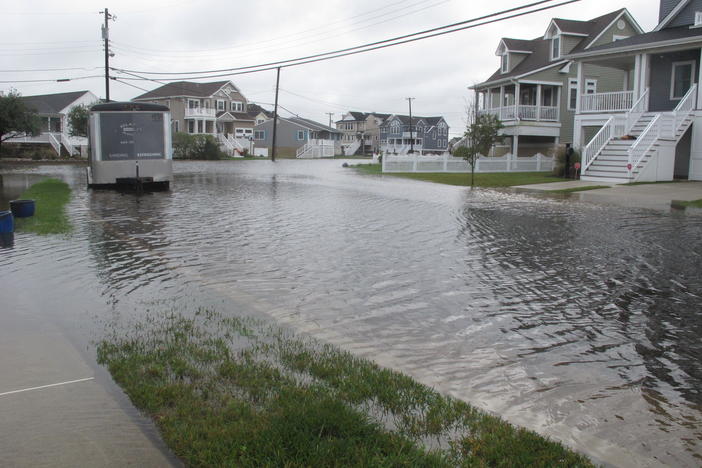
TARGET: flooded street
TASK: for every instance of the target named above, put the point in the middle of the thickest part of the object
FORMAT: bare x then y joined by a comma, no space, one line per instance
580,321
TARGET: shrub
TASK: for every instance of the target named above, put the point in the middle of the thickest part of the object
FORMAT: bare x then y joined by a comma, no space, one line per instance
560,162
199,146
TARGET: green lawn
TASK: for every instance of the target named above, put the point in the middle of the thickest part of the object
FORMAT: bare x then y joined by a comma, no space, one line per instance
50,196
491,179
693,203
229,391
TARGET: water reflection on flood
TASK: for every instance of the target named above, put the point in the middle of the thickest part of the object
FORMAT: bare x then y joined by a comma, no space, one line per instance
577,320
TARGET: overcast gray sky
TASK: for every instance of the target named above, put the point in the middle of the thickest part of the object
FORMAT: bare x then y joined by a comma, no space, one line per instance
185,35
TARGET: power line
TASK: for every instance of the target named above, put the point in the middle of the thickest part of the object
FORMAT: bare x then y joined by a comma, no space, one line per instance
48,69
53,80
376,43
358,49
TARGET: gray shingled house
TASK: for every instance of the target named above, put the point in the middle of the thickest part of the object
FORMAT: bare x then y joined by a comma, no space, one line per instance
535,90
649,127
399,134
297,137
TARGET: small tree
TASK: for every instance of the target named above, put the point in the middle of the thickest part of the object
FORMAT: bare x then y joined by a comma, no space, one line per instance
481,135
78,120
16,119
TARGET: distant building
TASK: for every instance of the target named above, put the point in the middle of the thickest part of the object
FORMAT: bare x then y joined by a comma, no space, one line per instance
400,134
360,132
293,134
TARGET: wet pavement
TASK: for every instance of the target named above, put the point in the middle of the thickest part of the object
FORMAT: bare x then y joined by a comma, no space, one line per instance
578,320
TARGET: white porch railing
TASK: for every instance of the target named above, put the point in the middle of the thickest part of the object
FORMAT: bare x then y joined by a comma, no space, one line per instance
448,163
316,149
617,101
350,149
636,111
199,112
524,112
54,142
683,109
65,141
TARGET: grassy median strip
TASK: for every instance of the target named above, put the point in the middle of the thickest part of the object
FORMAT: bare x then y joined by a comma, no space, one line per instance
692,203
482,179
50,196
579,189
240,392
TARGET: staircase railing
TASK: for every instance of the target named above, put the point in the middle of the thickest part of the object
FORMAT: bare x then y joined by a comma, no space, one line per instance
636,111
67,143
643,144
53,141
302,150
598,142
683,110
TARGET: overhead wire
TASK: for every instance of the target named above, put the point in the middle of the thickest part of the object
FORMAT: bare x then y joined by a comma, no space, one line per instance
398,40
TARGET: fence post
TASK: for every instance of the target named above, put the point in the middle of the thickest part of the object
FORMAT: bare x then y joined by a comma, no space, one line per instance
445,162
383,161
538,162
414,162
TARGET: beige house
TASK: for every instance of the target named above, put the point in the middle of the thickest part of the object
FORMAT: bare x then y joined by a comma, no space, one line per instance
217,108
357,127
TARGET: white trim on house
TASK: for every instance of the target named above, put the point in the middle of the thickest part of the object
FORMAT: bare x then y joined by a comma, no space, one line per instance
504,63
673,13
555,44
572,85
511,78
632,22
693,63
548,83
617,37
637,47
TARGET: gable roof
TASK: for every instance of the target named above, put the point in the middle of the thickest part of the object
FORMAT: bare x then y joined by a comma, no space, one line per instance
254,109
405,120
312,125
540,57
52,103
668,12
516,45
185,88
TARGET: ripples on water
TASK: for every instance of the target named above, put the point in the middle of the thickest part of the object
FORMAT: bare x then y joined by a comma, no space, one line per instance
577,320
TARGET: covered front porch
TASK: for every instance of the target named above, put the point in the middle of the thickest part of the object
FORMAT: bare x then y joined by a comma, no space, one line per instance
522,100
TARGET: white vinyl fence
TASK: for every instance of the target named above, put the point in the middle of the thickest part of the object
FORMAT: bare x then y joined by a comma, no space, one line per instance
447,163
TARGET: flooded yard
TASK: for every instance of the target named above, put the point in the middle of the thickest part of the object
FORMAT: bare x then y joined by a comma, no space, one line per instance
577,320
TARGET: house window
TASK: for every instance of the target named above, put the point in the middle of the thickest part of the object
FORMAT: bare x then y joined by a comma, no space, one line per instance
191,126
698,18
300,135
259,134
193,104
168,103
504,63
590,86
237,106
572,93
681,78
616,37
176,126
259,121
555,48
220,105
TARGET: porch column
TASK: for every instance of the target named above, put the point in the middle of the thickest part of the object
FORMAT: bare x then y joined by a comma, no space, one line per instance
516,100
699,83
580,87
502,99
637,77
515,145
538,102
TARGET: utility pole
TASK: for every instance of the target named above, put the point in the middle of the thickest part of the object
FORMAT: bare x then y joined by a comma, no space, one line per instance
330,114
275,113
106,38
409,100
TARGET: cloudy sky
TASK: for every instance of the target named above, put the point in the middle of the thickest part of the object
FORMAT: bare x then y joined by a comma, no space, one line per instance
188,35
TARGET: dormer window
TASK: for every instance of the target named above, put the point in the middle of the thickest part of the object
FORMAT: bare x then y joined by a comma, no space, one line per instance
556,48
504,63
698,18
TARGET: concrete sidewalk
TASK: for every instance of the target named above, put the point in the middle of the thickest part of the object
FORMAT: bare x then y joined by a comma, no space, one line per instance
655,196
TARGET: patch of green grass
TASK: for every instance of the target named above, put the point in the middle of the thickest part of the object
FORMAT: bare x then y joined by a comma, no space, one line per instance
579,189
631,184
482,179
50,196
229,391
692,203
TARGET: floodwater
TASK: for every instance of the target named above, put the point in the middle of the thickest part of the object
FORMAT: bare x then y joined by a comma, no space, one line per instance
576,320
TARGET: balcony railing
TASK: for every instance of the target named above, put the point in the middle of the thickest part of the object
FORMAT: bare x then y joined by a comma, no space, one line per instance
199,112
525,112
617,101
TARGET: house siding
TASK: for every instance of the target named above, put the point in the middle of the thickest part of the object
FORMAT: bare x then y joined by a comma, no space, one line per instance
515,59
613,30
686,15
661,67
286,141
568,43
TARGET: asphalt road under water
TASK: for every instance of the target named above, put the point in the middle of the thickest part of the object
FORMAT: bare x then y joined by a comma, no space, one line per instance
576,320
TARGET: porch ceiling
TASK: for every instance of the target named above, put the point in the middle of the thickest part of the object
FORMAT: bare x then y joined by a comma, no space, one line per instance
621,63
